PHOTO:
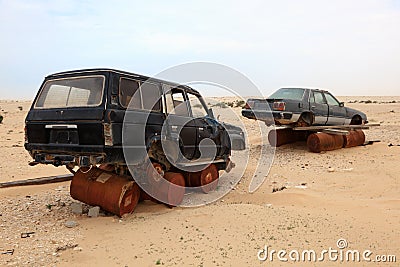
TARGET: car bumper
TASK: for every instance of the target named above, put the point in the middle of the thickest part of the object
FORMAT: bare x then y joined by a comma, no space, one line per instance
63,154
271,117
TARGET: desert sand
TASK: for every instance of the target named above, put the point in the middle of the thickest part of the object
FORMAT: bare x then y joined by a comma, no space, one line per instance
351,194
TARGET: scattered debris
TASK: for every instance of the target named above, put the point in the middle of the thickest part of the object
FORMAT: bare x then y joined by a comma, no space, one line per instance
278,189
368,143
26,235
70,224
38,181
8,252
20,108
330,169
65,247
94,212
390,145
78,249
76,208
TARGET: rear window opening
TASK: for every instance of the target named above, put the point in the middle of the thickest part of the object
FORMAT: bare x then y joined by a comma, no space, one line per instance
71,92
288,93
139,95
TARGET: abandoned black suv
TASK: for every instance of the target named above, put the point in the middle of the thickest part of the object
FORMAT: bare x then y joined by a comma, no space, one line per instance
77,119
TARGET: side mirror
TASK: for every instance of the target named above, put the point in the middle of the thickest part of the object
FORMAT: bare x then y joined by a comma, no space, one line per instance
341,104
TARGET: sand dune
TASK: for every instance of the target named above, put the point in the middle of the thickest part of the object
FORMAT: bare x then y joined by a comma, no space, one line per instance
350,193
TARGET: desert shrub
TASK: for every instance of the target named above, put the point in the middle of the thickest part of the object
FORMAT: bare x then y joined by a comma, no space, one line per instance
221,105
198,106
240,103
230,104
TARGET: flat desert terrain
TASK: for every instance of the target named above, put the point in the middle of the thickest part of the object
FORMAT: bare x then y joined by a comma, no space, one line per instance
352,195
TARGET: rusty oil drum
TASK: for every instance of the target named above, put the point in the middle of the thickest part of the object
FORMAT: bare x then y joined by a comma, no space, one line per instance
282,137
318,142
114,193
207,179
172,192
354,138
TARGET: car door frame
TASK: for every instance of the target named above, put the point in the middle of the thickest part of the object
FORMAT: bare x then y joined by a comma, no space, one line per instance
181,129
320,111
337,113
206,127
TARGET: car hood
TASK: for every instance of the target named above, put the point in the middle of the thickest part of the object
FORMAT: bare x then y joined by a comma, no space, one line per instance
231,128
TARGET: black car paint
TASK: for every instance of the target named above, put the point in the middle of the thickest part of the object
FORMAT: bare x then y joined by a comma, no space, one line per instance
88,138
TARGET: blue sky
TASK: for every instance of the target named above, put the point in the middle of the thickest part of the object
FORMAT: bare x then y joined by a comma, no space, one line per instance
349,47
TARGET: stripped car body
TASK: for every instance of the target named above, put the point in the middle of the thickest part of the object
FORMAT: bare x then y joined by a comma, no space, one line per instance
77,118
302,107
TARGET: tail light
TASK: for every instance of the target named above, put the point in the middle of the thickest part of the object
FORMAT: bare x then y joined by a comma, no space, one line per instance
280,106
249,105
108,136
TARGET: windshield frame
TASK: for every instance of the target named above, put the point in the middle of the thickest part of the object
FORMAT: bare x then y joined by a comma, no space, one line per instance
70,78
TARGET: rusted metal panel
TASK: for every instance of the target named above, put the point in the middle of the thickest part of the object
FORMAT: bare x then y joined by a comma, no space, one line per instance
172,192
282,137
318,142
144,196
343,127
355,138
207,179
114,193
38,181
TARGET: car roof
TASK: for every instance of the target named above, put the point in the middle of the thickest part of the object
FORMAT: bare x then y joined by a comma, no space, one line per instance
125,73
311,89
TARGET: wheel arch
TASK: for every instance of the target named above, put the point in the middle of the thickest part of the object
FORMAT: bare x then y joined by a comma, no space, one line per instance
308,117
356,120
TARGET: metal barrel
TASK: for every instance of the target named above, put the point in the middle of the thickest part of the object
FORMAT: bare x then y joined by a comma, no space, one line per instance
154,173
318,142
282,137
172,192
354,138
114,193
206,179
144,196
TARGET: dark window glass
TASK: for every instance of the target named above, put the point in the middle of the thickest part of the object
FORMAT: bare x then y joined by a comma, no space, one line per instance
151,96
128,91
319,98
331,100
288,93
198,110
71,92
145,96
176,103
